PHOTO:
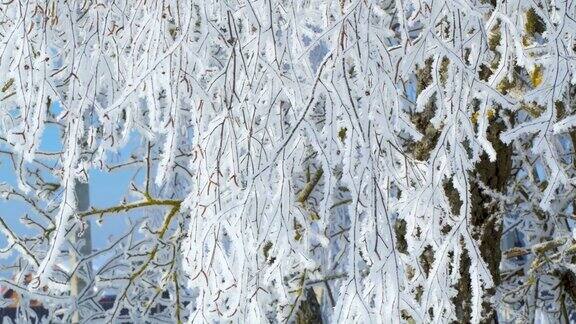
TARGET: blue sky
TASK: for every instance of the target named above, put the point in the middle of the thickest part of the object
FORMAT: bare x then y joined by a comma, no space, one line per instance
106,189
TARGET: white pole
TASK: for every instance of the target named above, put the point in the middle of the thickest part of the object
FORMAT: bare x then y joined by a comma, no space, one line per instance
83,245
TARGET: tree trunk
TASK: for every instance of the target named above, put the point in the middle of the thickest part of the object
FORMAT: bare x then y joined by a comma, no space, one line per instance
309,311
486,224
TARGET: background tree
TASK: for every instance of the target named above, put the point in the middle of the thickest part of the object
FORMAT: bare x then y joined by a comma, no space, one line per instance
364,161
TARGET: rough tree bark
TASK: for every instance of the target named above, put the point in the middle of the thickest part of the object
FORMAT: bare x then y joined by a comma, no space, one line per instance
486,223
486,216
